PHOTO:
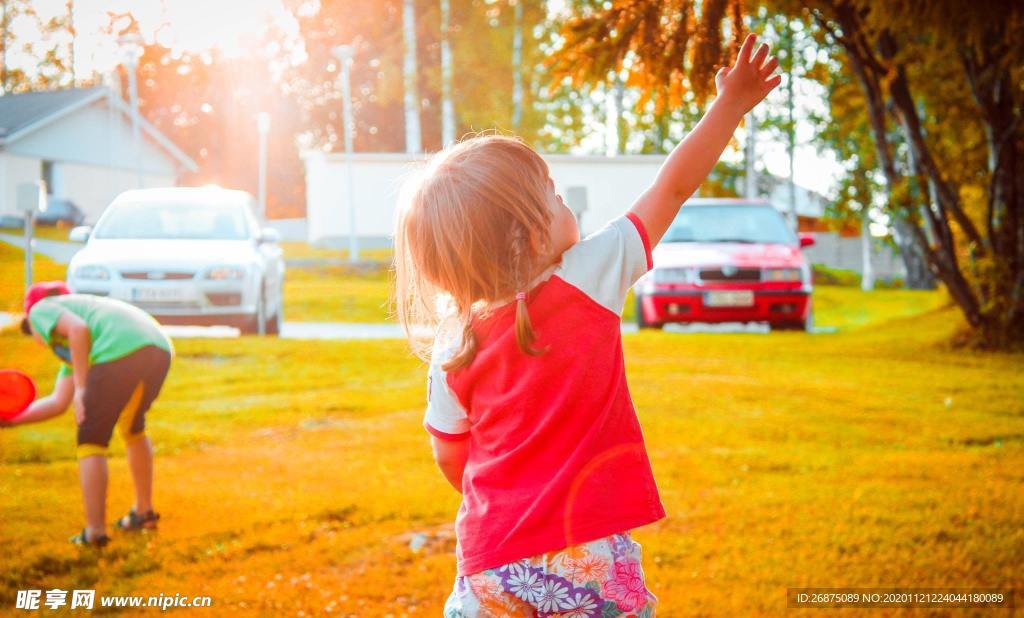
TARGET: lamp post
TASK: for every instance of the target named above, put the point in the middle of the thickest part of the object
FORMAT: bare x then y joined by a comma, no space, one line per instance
31,200
263,128
344,54
131,50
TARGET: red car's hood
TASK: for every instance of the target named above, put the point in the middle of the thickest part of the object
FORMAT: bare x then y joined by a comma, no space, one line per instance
676,255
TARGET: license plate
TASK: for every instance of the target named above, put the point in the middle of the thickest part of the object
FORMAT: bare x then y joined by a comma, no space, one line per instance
159,295
737,298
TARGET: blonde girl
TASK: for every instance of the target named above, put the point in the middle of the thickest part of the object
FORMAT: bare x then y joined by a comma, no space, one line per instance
528,409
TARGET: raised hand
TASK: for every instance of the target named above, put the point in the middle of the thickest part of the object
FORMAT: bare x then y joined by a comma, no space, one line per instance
748,82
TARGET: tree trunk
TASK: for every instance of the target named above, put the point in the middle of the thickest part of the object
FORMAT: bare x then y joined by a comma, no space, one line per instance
1004,222
867,274
517,66
621,130
413,140
447,107
4,36
920,276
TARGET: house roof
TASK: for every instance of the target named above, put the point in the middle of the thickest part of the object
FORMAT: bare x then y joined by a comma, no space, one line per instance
21,114
21,111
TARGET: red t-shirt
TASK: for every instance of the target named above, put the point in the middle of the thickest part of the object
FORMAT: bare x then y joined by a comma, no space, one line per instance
556,454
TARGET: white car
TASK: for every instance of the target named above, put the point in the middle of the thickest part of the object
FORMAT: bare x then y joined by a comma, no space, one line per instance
186,256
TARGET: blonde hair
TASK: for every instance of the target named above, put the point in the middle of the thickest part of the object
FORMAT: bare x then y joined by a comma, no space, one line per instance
471,229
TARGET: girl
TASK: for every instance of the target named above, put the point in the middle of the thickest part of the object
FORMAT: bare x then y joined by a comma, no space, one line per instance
115,360
528,409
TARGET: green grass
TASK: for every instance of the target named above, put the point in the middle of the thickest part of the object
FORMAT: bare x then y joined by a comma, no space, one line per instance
292,474
12,275
337,294
303,250
53,232
879,457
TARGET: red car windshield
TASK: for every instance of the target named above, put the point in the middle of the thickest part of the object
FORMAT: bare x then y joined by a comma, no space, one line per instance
738,224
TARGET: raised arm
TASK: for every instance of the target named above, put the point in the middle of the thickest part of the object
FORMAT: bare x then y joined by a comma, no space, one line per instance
740,87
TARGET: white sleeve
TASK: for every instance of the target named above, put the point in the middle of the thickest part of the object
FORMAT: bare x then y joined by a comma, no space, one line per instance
445,417
607,263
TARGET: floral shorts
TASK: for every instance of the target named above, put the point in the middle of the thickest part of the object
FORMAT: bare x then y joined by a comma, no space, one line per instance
599,579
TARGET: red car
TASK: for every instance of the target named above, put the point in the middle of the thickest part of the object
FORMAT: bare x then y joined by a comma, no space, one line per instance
727,260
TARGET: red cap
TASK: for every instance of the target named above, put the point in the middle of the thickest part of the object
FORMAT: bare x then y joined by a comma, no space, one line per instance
38,291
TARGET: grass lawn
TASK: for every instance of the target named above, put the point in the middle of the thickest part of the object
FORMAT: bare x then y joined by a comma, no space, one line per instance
304,250
874,457
337,294
292,474
12,275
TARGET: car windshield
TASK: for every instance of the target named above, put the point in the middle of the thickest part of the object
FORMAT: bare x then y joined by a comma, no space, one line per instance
740,224
171,221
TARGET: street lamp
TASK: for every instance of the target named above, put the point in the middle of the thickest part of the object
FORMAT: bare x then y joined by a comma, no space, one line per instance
31,200
344,54
130,47
263,128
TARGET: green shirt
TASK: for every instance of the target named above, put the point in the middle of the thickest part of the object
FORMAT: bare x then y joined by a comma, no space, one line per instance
116,328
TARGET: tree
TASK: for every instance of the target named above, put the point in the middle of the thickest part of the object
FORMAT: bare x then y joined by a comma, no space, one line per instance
960,123
49,48
480,35
447,106
207,103
952,88
413,141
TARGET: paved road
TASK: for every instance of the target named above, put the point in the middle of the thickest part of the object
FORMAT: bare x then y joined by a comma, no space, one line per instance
341,331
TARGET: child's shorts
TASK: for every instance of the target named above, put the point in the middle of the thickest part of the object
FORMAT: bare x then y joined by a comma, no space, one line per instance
118,394
598,579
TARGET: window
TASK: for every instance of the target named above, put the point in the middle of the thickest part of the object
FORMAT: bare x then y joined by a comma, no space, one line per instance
47,176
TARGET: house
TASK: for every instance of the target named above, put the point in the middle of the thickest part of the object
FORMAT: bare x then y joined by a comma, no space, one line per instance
79,141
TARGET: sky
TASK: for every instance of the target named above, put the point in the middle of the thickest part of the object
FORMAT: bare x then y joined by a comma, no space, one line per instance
196,25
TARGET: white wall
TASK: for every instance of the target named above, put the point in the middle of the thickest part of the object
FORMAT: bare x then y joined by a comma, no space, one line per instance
844,253
377,179
611,184
90,187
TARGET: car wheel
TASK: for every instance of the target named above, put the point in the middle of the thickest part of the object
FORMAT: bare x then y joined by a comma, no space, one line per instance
255,323
274,323
808,324
249,325
781,326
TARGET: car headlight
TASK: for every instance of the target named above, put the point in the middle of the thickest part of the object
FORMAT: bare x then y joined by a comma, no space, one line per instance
92,272
675,275
225,273
789,275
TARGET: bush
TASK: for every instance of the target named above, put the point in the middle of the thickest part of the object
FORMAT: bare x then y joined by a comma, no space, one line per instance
823,275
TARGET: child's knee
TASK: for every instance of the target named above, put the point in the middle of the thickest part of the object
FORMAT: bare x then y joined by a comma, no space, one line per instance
92,450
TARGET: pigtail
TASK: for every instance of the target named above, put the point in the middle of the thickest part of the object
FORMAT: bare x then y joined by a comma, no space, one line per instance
524,329
525,336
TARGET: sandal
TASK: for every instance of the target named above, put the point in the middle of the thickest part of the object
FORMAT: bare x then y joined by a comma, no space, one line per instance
133,521
82,539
